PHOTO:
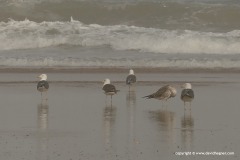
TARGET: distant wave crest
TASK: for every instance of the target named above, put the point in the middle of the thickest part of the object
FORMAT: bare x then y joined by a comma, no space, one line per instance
204,15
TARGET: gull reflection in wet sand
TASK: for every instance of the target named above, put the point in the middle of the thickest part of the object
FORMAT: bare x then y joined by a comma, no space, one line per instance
187,124
131,99
43,116
109,116
166,121
42,150
131,124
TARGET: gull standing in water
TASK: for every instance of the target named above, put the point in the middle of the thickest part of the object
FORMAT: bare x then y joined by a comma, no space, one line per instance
163,93
187,94
43,85
108,88
131,78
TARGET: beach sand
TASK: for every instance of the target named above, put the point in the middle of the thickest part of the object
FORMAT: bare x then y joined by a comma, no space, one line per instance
77,122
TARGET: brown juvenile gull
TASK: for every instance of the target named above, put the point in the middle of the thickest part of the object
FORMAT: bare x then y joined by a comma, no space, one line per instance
131,78
43,85
163,93
187,94
108,88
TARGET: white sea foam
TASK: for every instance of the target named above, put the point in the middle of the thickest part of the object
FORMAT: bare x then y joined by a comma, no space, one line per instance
118,62
28,34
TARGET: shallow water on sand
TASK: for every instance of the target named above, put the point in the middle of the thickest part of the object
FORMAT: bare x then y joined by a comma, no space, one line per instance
78,121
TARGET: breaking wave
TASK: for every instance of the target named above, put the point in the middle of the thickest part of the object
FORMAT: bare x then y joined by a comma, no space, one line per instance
27,34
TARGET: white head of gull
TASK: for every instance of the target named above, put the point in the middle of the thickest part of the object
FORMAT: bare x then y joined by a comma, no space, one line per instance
106,81
43,77
187,86
131,72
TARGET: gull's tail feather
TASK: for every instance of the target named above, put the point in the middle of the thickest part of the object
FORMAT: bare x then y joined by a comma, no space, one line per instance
149,96
129,81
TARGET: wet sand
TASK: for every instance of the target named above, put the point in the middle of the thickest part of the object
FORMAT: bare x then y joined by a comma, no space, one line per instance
79,123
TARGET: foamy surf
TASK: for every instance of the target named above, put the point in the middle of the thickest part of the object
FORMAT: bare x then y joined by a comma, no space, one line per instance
121,63
28,34
90,57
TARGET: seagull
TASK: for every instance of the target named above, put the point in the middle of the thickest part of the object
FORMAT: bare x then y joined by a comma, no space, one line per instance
43,85
163,93
187,94
131,78
108,88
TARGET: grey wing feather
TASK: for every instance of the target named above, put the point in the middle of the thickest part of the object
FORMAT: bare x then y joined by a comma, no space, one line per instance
109,88
131,79
43,84
187,92
161,92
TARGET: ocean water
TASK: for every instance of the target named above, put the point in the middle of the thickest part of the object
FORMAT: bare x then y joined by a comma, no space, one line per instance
120,33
